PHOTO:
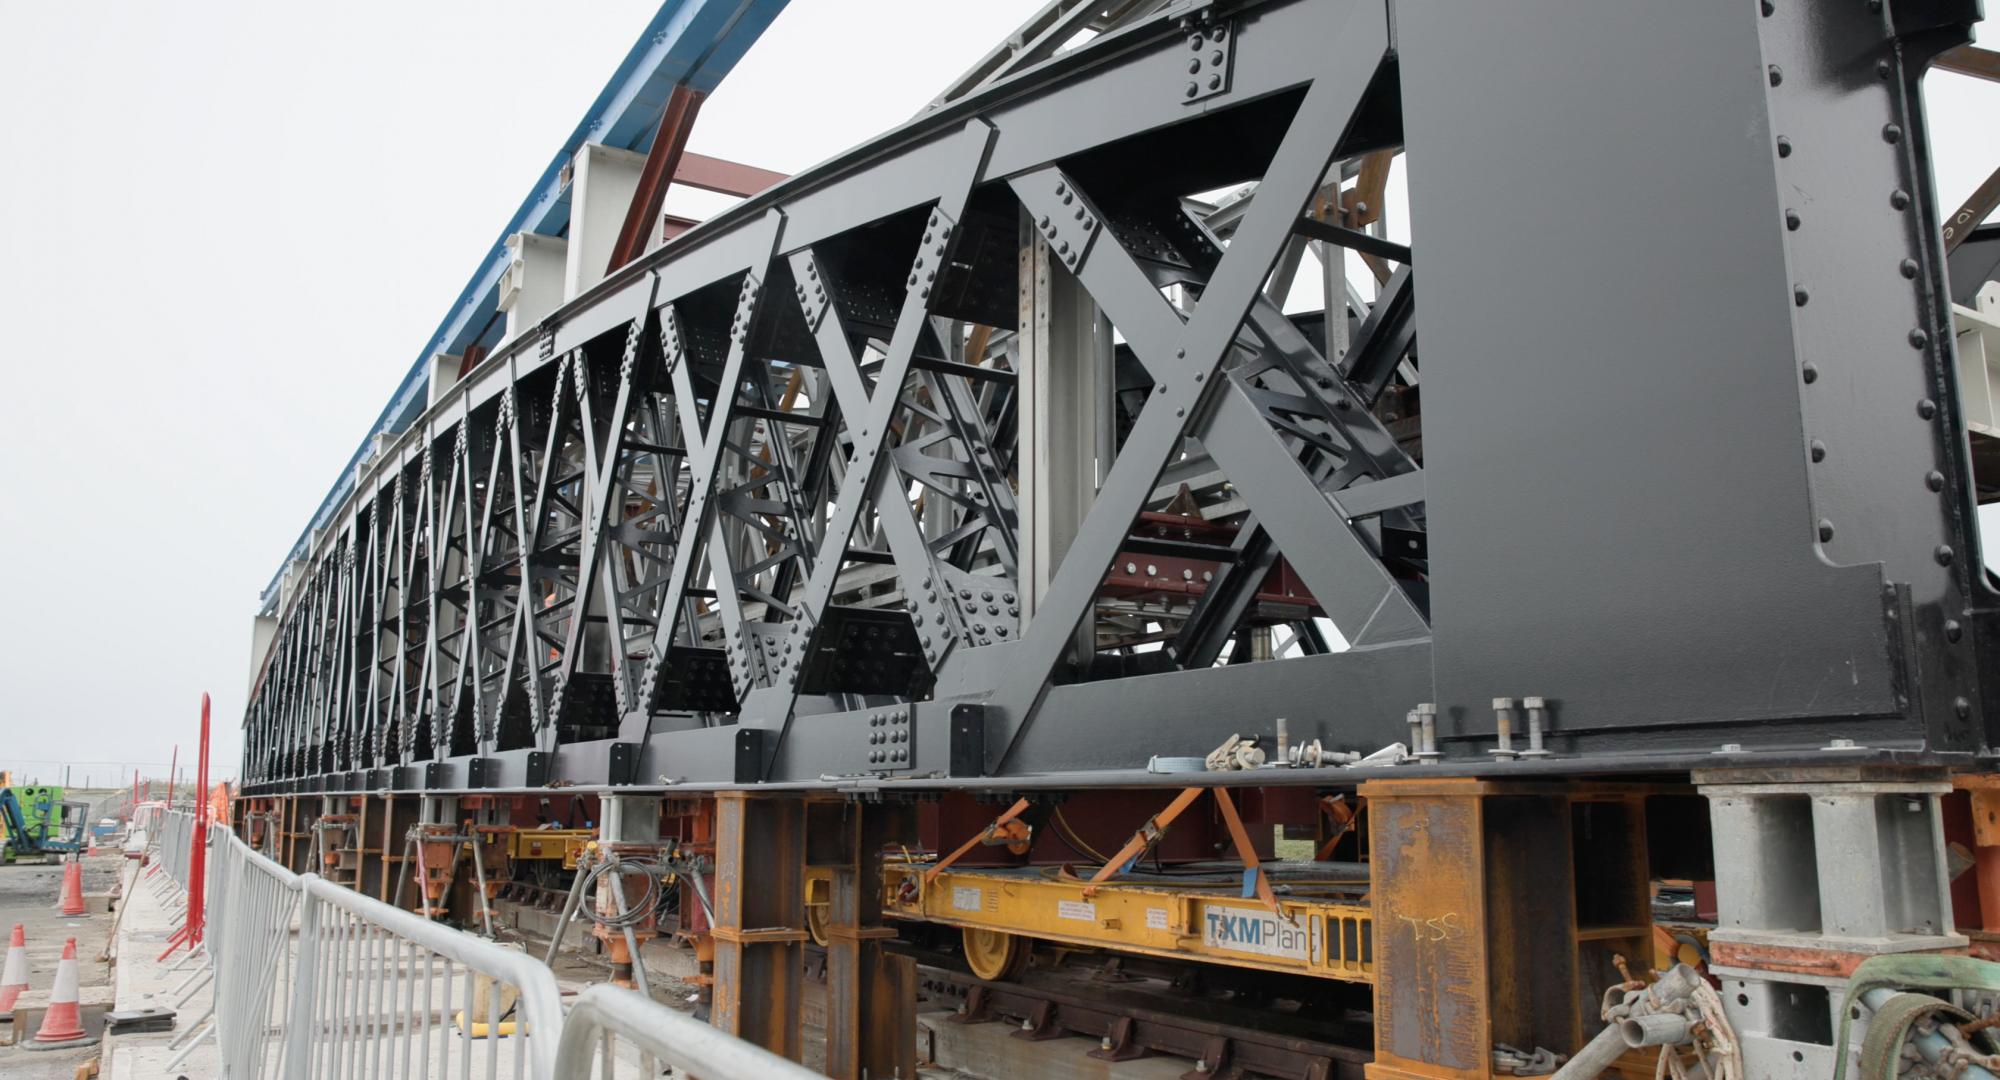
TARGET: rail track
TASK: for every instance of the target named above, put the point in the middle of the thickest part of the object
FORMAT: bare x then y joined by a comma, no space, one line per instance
1230,1024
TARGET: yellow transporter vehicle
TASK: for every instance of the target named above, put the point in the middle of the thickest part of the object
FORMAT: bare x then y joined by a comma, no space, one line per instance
1316,921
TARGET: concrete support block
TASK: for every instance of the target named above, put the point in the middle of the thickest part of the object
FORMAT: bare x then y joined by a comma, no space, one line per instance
533,284
1855,867
602,181
1786,1023
629,819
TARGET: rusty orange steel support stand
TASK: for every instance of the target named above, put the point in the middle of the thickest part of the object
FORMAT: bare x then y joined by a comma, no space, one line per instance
190,932
1156,826
1020,807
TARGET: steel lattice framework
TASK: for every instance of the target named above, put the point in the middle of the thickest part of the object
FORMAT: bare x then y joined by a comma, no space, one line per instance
874,476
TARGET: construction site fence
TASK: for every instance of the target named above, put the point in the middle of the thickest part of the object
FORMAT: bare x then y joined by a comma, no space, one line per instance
313,979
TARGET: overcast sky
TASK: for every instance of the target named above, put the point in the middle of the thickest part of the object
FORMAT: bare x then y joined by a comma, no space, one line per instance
234,226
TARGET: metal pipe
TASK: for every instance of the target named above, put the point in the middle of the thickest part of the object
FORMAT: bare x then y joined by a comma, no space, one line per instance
479,873
1596,1055
1654,1029
569,912
631,939
1931,1044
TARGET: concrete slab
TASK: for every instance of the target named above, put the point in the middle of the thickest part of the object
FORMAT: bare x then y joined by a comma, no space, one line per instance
152,913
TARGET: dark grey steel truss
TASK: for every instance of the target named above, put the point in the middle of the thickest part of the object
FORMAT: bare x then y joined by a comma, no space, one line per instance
1681,453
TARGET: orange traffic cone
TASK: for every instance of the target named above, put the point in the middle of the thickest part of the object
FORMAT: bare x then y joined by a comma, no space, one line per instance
14,978
72,889
64,1021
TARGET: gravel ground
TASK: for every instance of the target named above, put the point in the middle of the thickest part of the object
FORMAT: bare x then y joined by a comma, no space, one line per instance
28,894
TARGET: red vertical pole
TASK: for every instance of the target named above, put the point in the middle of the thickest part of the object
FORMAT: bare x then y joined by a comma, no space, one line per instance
133,811
198,866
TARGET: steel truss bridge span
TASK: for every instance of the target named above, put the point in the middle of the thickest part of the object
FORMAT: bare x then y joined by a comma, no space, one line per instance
991,449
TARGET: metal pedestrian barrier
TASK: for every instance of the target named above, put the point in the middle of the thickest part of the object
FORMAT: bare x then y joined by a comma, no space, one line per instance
662,1036
313,980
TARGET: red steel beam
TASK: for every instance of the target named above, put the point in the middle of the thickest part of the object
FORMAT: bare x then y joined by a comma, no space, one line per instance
724,177
662,163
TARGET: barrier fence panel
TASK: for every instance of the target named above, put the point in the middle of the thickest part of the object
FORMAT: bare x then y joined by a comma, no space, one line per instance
662,1036
313,980
250,918
382,992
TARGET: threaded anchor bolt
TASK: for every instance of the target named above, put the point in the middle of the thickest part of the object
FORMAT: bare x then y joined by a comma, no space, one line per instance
1427,721
1538,721
1503,721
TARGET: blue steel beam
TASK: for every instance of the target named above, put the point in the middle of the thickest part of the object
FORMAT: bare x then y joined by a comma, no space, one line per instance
695,42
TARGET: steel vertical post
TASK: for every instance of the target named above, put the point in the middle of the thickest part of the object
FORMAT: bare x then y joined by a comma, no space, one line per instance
871,1025
760,918
305,989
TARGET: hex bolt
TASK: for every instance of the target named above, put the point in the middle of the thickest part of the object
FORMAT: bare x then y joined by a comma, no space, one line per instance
1503,721
1538,720
1416,735
1427,718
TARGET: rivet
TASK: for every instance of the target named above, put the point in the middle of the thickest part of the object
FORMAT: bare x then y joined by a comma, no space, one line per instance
1899,199
1194,67
1952,630
1799,295
1792,220
1214,82
1943,554
1926,408
1777,75
1908,268
1891,133
1934,480
1884,69
1818,450
1768,8
1809,372
1919,339
1784,147
1193,89
1825,530
1962,707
